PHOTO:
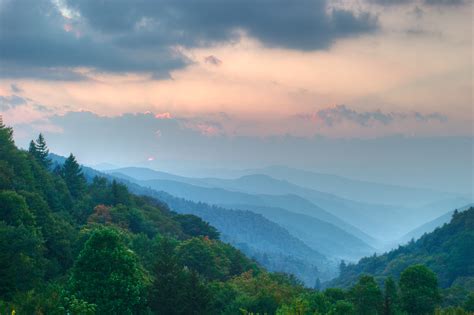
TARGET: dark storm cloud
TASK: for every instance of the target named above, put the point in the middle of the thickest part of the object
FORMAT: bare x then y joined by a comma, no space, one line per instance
36,40
304,25
340,113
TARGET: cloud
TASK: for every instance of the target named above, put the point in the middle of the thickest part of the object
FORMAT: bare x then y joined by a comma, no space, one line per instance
11,101
427,2
130,138
165,115
340,113
212,60
15,88
34,43
50,40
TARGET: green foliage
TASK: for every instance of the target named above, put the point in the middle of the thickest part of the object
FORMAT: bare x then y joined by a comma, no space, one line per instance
72,174
419,290
469,304
366,296
69,247
195,226
342,308
21,259
390,297
39,150
108,274
446,251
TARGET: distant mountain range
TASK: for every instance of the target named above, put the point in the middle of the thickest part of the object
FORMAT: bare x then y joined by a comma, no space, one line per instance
384,222
270,244
297,214
353,189
287,226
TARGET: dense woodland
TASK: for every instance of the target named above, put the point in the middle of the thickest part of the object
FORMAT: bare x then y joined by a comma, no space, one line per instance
72,246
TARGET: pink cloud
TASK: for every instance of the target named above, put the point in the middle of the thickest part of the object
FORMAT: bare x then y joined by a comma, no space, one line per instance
165,115
151,158
68,27
207,130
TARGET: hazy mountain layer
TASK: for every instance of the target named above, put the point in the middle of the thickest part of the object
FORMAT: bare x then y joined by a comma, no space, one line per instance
447,251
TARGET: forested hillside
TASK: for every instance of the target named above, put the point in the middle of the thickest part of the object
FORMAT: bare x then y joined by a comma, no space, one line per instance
69,246
264,240
448,251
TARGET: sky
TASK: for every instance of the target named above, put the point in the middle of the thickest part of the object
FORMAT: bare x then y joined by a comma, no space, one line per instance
373,89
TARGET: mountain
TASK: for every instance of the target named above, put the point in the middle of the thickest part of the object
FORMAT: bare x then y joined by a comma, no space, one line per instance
358,190
447,251
69,246
267,242
385,222
258,237
319,235
347,245
271,192
430,226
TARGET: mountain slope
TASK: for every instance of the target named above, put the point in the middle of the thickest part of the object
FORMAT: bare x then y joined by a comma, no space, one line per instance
447,251
270,192
385,222
359,190
258,237
244,201
430,226
325,238
270,244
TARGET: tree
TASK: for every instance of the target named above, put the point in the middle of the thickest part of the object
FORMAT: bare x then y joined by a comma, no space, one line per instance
196,294
317,284
342,308
72,174
419,290
42,152
195,226
366,296
390,297
469,303
39,150
108,274
166,294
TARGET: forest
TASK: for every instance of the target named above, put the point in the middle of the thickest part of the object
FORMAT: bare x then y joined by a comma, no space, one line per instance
69,245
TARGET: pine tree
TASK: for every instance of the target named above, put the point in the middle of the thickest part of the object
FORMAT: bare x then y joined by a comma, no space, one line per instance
72,174
39,150
32,149
42,151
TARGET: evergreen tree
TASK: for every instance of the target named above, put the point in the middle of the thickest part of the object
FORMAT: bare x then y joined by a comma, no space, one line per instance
42,152
419,290
390,297
39,150
108,274
72,174
32,149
